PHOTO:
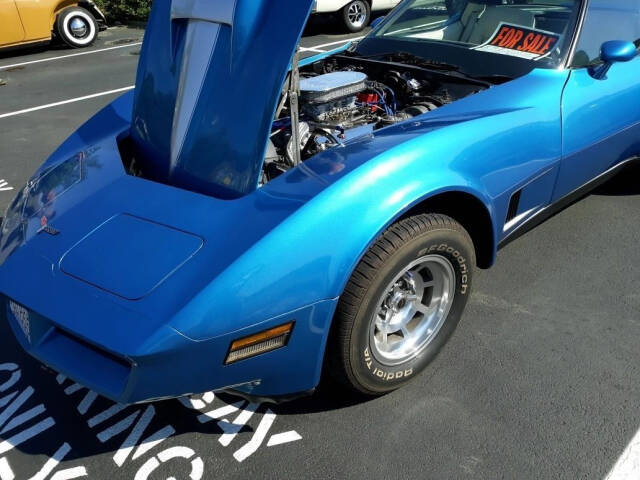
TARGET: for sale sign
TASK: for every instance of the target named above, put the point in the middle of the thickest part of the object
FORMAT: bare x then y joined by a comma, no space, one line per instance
520,42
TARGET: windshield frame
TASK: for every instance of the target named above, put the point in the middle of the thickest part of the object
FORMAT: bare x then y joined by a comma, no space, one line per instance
568,61
570,64
564,61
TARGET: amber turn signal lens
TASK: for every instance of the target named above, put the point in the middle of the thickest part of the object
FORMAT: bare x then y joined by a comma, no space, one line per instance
259,343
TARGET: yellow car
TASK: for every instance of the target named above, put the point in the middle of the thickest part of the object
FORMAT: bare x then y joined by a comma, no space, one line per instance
25,22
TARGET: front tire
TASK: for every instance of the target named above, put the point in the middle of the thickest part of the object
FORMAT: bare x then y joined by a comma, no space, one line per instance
77,27
356,15
401,305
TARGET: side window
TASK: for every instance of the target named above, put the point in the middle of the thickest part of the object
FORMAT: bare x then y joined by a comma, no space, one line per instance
456,6
606,20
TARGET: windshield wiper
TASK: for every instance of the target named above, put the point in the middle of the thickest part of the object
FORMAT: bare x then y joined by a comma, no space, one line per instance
407,58
495,78
411,59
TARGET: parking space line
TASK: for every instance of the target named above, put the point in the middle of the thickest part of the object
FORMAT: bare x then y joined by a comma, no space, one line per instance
232,429
64,102
344,41
20,438
258,437
106,415
312,49
628,465
61,57
5,470
282,438
315,48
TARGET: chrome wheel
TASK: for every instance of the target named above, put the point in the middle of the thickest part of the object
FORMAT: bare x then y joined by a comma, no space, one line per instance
412,310
357,14
79,27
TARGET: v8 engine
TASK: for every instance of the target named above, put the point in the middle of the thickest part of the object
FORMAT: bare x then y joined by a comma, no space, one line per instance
349,97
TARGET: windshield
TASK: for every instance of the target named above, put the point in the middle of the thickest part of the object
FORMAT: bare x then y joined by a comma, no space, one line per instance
482,37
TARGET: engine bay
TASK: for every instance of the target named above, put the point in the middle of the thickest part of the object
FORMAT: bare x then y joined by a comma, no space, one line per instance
345,97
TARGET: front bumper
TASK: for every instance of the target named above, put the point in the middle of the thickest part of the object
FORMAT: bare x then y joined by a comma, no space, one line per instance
173,365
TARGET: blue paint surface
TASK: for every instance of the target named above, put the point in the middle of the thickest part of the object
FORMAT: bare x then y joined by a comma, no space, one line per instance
129,256
149,283
201,120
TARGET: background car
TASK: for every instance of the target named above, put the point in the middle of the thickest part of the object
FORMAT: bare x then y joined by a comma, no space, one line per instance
27,22
355,14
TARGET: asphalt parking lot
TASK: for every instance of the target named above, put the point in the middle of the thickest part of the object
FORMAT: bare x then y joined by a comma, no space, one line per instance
541,380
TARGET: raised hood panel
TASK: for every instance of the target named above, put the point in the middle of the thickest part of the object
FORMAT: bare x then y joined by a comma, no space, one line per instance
209,79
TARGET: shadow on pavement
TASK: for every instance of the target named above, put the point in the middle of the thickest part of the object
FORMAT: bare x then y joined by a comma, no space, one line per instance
627,182
51,397
27,50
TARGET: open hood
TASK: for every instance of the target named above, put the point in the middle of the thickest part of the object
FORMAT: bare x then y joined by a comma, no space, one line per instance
209,79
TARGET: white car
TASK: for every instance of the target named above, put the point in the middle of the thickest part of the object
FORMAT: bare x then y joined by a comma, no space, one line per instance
356,14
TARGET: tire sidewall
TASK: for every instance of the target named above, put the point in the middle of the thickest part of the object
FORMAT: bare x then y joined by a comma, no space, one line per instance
345,17
369,372
64,27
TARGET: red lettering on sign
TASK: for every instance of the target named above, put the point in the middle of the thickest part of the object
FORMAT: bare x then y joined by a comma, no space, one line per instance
503,31
516,38
522,39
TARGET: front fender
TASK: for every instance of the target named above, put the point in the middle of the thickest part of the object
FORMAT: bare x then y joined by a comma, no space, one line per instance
311,254
340,224
485,146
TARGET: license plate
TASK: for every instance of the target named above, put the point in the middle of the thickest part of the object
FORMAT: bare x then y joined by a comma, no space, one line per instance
21,314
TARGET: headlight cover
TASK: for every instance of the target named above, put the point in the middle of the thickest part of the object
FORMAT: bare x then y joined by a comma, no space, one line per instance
38,198
13,214
12,230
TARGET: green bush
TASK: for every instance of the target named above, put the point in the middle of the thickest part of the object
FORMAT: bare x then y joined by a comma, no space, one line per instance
123,10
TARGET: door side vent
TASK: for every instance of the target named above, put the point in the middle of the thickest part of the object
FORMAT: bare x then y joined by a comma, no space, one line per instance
514,205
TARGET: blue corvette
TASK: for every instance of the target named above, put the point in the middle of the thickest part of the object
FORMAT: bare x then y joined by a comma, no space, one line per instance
245,220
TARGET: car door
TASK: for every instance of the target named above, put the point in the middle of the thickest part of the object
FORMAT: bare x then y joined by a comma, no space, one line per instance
601,118
11,30
37,17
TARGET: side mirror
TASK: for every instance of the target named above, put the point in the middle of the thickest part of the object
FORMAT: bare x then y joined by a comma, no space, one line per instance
377,22
612,52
